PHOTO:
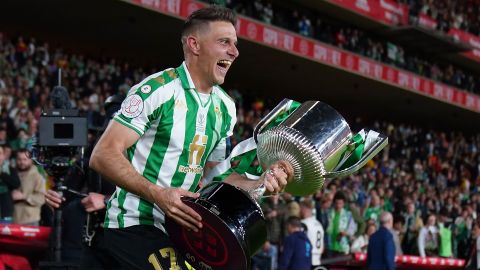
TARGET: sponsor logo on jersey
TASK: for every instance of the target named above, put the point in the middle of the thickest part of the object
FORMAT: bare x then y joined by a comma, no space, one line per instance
179,104
171,73
190,169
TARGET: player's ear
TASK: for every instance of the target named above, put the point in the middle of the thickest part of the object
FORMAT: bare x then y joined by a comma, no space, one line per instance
193,44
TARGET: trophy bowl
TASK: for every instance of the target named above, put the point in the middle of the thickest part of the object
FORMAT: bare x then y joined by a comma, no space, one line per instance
315,139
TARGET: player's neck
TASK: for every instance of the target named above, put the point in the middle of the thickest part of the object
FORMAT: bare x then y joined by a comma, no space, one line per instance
201,86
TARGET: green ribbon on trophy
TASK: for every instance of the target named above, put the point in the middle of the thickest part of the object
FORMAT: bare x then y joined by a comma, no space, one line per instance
360,142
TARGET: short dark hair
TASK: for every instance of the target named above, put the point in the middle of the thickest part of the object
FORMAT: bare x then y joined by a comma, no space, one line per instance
294,221
339,196
206,15
22,150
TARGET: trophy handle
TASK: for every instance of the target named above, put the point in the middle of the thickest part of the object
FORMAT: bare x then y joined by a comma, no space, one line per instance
380,143
282,106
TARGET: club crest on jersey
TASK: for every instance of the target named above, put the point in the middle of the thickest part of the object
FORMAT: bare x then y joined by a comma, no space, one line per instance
132,106
217,111
146,89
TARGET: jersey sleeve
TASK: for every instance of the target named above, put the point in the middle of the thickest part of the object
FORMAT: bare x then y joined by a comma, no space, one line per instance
144,102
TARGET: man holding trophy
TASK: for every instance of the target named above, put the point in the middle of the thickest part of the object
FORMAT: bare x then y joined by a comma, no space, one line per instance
171,126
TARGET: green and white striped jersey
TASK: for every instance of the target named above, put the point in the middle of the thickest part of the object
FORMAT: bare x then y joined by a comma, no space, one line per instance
178,134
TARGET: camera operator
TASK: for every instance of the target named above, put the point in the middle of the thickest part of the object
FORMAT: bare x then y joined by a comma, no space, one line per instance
84,213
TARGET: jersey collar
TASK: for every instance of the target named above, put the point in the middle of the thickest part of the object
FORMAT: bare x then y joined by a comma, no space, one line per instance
186,79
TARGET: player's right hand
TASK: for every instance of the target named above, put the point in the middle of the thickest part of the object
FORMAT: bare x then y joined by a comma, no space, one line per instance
170,201
53,199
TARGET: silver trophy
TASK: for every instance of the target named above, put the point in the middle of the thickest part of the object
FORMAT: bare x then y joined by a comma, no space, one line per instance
316,140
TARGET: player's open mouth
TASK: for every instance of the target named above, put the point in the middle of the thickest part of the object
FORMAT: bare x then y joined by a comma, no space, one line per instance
224,65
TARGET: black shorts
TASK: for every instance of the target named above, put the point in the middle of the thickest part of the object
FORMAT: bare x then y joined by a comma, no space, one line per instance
143,247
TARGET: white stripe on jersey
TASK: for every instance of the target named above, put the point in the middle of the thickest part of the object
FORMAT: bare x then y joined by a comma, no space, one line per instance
131,217
158,218
175,145
113,211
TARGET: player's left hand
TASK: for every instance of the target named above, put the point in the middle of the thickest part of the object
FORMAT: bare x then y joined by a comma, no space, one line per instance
277,176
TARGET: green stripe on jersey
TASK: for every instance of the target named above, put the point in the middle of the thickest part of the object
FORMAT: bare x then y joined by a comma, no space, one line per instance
121,200
217,101
227,120
190,124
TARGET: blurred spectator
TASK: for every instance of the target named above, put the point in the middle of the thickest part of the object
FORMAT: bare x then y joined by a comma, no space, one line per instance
413,224
274,211
428,238
341,227
292,206
267,15
8,182
30,196
396,241
297,249
463,226
374,210
305,26
314,231
340,39
474,252
266,258
360,244
323,208
381,248
445,248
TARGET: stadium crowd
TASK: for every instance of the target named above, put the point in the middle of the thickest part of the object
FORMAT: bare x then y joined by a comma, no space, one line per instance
464,15
428,179
344,35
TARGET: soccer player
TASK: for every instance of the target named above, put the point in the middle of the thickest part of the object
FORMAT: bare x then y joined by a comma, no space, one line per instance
171,126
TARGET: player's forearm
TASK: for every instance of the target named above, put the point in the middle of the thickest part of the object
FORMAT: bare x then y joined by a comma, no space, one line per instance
115,167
